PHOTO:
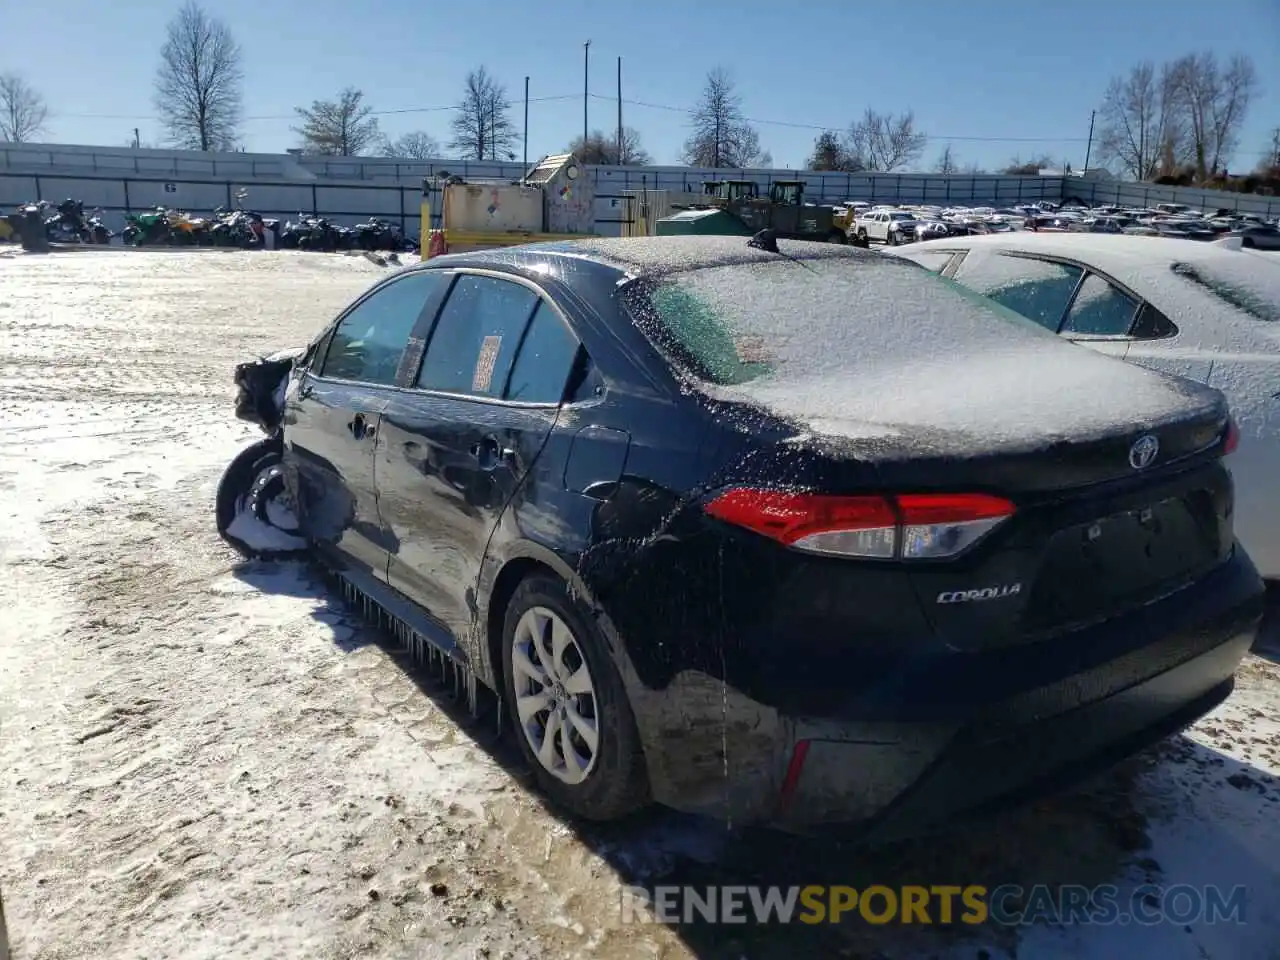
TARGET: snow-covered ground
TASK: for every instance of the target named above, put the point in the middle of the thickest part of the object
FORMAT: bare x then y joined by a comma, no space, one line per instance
202,758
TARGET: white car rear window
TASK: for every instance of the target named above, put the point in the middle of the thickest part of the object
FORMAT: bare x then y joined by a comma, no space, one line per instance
1250,287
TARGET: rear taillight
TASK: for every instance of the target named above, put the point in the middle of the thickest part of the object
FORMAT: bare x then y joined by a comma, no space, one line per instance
917,526
1231,439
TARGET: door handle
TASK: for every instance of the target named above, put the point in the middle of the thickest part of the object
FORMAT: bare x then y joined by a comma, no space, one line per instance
490,452
359,427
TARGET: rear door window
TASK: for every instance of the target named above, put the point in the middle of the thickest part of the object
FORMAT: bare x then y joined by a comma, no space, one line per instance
370,340
1100,309
1038,289
475,339
547,354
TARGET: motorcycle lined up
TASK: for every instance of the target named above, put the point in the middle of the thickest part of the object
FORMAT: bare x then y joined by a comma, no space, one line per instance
310,232
172,228
67,222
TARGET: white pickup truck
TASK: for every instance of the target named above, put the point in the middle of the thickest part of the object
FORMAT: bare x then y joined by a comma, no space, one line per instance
888,226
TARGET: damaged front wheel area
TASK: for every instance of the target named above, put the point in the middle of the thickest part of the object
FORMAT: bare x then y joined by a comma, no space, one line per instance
255,515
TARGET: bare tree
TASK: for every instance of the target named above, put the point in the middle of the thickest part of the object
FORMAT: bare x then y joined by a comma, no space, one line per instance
946,164
1216,100
1029,168
1271,156
22,109
1144,129
198,85
482,127
883,142
829,153
417,145
344,127
721,136
604,150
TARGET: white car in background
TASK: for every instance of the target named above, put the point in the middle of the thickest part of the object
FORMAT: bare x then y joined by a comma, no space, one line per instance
1207,311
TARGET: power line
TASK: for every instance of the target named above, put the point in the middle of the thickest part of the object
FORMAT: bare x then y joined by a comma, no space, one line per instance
825,127
828,126
294,116
687,111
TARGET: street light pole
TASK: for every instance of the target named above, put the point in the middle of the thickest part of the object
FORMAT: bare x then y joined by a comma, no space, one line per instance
586,87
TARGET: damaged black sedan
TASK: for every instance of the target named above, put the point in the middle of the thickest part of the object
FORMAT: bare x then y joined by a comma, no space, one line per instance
802,536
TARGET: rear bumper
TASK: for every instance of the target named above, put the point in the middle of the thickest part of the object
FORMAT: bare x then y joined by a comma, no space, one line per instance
901,775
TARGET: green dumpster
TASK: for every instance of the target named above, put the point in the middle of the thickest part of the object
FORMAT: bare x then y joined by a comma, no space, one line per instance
702,223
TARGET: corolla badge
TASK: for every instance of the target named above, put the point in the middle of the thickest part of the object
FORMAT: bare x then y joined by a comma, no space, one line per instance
977,596
1143,452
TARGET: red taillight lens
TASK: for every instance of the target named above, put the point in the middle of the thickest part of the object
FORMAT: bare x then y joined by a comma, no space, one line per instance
909,526
1232,438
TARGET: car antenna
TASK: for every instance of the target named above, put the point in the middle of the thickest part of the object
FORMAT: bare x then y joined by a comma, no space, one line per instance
767,240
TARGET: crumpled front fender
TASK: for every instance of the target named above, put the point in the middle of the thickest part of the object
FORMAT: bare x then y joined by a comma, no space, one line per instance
261,386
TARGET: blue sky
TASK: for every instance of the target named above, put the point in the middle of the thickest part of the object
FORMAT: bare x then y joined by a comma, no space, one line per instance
995,78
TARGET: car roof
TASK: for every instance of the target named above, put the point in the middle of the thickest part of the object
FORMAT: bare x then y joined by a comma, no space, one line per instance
653,256
1101,250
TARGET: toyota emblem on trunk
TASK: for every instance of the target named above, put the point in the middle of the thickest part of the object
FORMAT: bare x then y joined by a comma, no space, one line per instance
1143,452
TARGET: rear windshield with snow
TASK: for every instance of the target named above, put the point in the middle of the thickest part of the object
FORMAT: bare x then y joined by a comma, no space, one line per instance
1251,286
731,325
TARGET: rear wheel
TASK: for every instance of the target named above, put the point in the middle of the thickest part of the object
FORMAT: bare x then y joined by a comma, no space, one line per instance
568,704
862,235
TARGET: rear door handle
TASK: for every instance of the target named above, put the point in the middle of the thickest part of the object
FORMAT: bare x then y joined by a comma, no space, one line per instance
490,452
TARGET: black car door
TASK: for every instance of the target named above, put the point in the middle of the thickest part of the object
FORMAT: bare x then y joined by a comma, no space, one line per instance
332,422
456,446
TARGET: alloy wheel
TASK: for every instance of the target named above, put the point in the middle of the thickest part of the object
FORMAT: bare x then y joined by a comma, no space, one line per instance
555,697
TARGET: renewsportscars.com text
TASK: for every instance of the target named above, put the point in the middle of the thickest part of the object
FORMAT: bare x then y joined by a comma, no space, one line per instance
1008,905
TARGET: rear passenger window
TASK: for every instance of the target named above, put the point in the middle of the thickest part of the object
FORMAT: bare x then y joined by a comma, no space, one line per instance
476,336
545,361
1038,289
1100,309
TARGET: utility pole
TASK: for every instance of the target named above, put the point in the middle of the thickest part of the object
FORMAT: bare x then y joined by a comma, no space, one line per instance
526,123
619,110
137,139
1089,149
586,62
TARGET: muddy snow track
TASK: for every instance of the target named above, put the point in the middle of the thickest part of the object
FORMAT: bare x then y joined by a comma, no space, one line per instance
203,758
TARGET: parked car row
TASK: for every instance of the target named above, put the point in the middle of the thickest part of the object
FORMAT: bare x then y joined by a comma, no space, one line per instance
898,224
793,533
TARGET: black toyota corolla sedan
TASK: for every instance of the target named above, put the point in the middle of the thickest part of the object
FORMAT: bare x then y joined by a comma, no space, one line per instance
803,536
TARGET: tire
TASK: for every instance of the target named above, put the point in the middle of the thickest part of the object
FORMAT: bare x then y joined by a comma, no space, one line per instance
250,481
862,235
615,782
835,236
1248,243
893,238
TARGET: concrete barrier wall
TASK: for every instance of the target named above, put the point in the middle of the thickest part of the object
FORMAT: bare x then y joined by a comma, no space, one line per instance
279,183
351,201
